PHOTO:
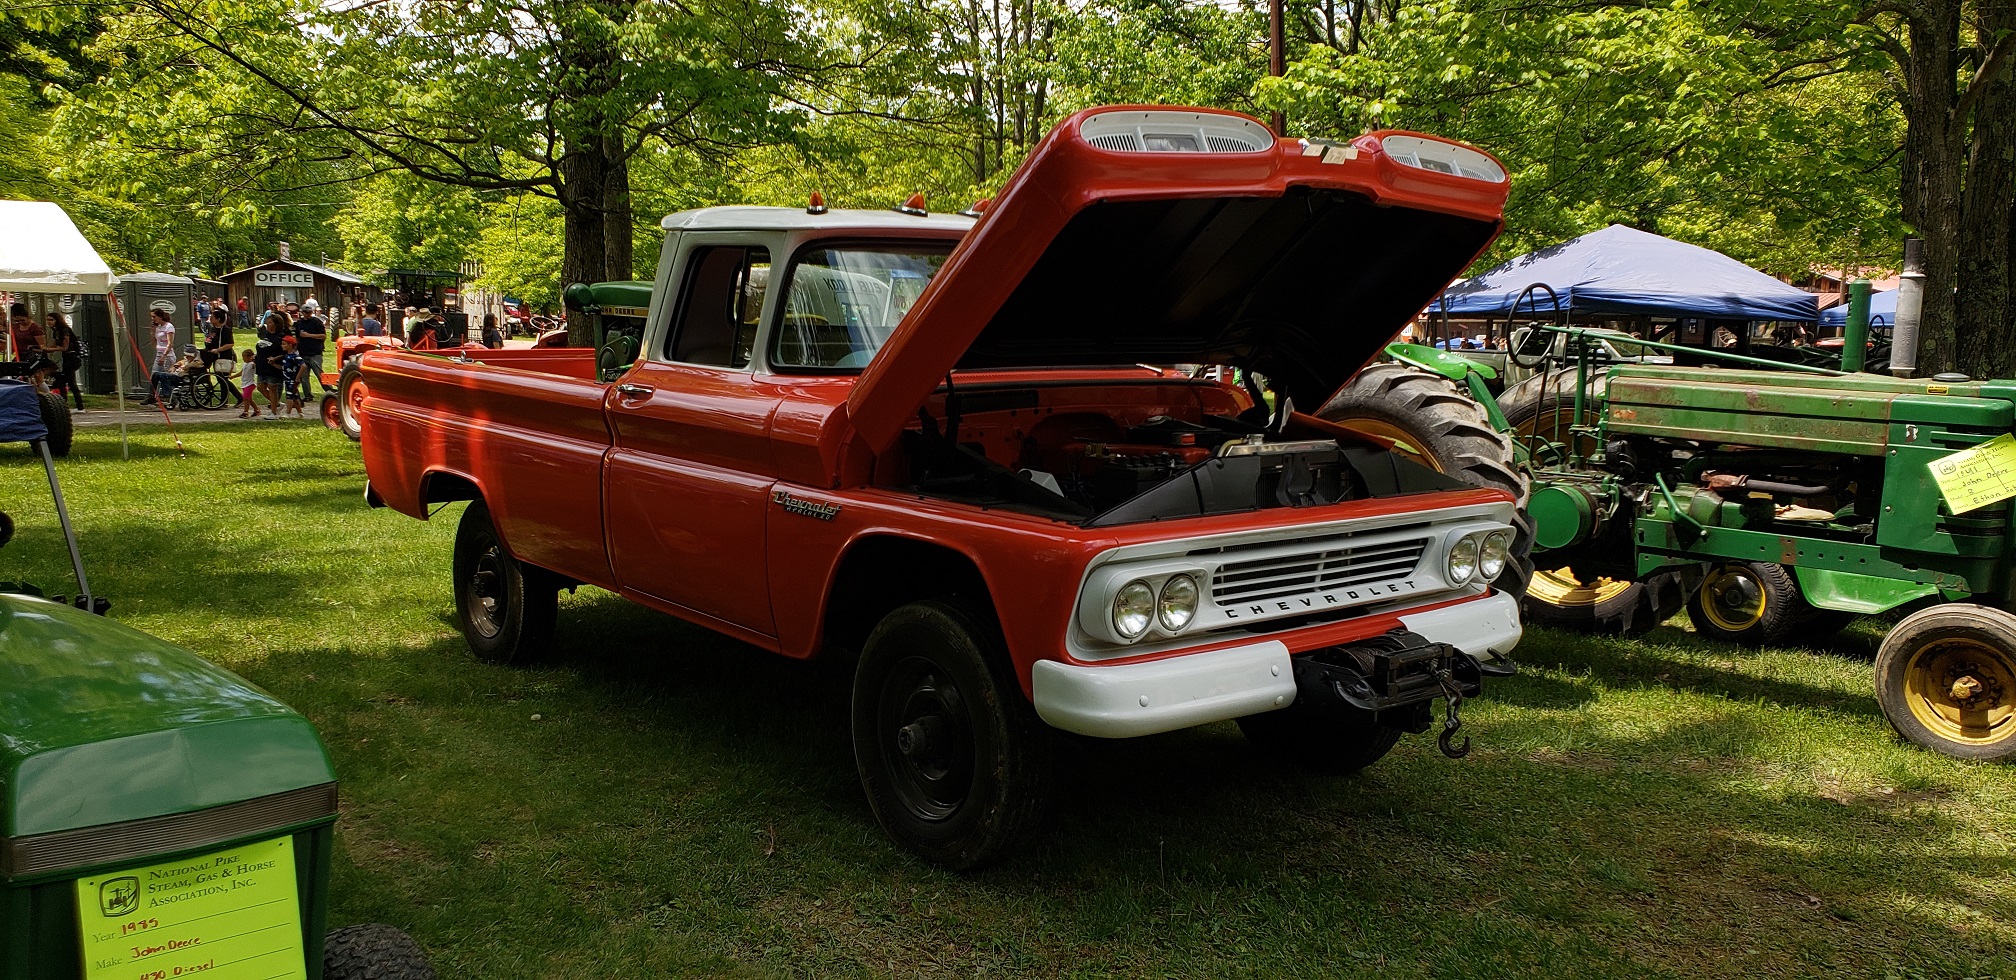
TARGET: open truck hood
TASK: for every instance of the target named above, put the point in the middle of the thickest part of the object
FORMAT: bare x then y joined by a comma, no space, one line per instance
1192,236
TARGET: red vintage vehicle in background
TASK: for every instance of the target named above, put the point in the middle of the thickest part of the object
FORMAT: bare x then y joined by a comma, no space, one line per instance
936,444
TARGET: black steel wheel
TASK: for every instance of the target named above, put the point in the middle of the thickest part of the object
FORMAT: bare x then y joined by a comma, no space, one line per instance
1748,602
208,392
56,418
350,393
1946,678
1444,429
507,608
373,951
952,757
1312,741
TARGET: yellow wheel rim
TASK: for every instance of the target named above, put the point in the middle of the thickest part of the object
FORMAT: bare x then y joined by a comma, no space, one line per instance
1560,587
1963,690
1409,443
1732,598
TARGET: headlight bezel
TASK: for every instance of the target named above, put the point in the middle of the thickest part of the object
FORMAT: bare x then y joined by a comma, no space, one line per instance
1465,550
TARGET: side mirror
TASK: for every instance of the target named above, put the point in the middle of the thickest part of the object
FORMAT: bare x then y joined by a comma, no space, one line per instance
1529,346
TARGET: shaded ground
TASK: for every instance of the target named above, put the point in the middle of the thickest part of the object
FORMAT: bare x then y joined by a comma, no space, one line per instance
685,805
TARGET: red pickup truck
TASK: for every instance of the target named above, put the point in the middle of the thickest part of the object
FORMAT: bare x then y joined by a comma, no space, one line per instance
933,442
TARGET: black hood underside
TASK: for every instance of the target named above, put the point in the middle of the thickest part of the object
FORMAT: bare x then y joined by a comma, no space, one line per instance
1305,288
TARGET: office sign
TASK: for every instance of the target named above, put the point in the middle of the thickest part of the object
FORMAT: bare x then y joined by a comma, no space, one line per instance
281,278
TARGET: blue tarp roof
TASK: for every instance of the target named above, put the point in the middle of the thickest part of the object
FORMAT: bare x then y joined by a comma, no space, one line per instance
1629,272
1882,311
20,413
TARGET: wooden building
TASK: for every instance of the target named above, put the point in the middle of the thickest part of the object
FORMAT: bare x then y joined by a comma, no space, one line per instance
286,280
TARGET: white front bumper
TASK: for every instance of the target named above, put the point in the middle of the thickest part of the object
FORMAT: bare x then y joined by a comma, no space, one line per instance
1126,700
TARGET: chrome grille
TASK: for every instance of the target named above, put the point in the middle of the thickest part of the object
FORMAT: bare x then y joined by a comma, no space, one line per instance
1288,568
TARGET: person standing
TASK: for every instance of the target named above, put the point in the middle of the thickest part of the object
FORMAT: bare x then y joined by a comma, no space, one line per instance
493,335
202,308
422,333
164,376
67,351
22,332
267,355
218,343
310,333
369,325
244,314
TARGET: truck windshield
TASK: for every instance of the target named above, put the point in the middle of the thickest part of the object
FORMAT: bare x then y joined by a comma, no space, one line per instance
846,300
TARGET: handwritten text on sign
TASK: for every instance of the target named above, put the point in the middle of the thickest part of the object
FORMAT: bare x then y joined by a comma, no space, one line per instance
1977,477
230,915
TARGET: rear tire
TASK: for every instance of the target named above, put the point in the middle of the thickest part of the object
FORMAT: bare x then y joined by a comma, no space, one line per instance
373,952
954,761
506,608
1751,603
56,418
1451,434
1946,678
350,394
1321,745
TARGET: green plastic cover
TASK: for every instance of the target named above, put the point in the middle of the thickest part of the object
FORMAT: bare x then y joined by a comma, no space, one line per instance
101,723
593,296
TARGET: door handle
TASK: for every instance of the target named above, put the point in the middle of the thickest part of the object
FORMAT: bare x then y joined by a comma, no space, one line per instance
634,391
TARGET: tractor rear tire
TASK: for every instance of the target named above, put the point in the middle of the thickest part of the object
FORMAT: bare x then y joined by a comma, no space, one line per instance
1751,603
56,418
374,951
1946,678
1449,432
1540,411
507,609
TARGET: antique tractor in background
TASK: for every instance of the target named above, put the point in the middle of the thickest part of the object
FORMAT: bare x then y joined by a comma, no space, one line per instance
1773,502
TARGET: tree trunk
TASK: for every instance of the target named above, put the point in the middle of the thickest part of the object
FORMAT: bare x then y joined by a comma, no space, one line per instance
1986,304
585,234
618,223
1933,148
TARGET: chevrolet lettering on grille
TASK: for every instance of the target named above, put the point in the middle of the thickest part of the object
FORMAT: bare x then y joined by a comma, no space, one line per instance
1319,601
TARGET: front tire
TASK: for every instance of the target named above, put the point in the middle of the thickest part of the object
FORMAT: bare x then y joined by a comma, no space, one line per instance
350,394
1310,741
373,952
1751,603
952,757
1946,679
506,608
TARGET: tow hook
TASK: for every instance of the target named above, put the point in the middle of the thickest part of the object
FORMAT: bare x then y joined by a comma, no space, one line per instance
1451,717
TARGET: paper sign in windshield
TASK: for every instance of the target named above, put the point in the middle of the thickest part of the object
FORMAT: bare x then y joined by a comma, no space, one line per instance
1974,478
229,915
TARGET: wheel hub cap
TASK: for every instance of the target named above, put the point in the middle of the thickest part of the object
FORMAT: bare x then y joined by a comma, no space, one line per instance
1961,690
929,750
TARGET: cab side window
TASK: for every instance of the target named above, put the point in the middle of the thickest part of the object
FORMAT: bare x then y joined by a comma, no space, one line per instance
719,305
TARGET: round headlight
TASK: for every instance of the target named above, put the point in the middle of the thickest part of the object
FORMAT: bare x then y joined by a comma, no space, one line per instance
1463,561
1133,609
1491,557
1178,605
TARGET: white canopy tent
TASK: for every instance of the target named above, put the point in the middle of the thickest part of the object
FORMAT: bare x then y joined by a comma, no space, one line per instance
41,251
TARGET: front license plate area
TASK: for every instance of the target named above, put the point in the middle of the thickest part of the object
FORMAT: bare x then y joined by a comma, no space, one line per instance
231,914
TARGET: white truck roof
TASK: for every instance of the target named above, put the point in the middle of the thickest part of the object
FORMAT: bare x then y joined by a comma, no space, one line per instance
751,218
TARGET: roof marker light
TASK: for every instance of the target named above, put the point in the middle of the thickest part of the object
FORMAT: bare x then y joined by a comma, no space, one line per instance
978,208
1436,156
817,204
915,205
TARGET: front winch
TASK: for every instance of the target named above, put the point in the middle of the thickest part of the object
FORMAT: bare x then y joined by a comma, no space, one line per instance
1390,680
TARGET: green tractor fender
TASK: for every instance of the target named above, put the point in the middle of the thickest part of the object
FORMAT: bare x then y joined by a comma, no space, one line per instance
1825,588
1471,375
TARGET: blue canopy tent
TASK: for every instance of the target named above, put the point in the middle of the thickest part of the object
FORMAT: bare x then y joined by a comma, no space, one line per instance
1882,311
1626,272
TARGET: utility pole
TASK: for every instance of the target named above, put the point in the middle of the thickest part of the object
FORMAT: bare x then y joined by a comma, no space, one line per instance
1277,64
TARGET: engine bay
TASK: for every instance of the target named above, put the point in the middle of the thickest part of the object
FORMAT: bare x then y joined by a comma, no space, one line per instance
1104,453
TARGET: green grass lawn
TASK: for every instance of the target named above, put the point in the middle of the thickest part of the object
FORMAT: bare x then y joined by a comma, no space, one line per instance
663,802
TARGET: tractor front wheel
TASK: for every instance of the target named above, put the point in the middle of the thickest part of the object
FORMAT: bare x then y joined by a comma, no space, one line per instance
1946,678
373,952
1753,603
350,393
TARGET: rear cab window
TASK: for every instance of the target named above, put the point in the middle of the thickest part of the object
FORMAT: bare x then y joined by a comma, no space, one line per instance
844,301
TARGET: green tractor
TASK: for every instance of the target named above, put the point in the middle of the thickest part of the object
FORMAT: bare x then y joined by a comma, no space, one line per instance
1772,501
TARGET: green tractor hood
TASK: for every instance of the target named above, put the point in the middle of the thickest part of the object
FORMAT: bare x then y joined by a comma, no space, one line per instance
102,724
